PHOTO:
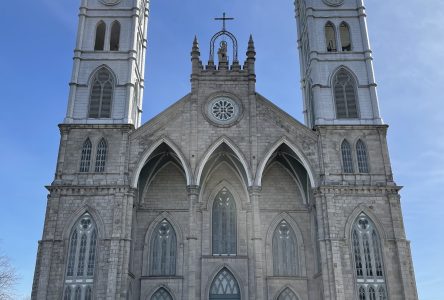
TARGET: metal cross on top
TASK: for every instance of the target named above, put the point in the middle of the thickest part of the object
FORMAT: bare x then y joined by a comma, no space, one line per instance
224,19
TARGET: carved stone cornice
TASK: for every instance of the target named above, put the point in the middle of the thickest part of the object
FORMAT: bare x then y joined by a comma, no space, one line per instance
357,189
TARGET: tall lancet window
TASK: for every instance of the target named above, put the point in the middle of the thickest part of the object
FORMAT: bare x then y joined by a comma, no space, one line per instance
345,95
85,159
101,94
100,36
330,37
369,266
101,156
347,159
114,42
287,294
344,32
224,224
361,154
163,250
224,286
161,294
285,252
79,279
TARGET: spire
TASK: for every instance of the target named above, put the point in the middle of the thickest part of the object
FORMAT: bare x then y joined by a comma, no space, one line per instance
251,52
195,56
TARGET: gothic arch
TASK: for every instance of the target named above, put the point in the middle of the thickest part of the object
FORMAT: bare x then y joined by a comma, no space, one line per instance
216,271
108,68
147,153
147,242
347,69
157,288
361,208
72,220
292,289
299,239
237,152
303,160
157,171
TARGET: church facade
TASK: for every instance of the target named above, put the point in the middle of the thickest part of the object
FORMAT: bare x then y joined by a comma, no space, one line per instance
223,195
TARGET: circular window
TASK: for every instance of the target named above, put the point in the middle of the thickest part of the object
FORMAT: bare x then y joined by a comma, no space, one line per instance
223,110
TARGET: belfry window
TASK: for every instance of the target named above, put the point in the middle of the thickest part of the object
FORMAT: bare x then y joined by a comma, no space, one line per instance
285,252
101,94
81,262
114,42
347,159
85,159
101,156
287,294
100,36
367,254
161,294
361,154
345,95
224,287
330,37
163,250
344,32
224,224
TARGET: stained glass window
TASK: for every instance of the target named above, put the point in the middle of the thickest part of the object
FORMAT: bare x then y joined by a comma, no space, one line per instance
368,260
101,156
85,159
161,294
287,294
224,287
361,154
345,95
163,251
285,252
347,159
224,224
81,260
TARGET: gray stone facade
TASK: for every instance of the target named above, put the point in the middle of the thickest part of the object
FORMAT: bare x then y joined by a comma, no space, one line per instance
173,166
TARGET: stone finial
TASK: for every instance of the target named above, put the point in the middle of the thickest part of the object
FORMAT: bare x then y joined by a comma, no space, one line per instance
251,52
195,52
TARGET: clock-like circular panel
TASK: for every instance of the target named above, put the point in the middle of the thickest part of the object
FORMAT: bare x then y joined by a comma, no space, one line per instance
333,2
223,110
110,2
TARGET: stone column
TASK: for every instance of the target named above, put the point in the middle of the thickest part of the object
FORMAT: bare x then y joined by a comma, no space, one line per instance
258,244
192,237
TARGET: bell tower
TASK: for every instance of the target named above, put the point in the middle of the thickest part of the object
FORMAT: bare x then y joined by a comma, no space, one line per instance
336,62
108,73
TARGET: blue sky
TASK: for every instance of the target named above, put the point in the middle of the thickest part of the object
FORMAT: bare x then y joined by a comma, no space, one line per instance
35,66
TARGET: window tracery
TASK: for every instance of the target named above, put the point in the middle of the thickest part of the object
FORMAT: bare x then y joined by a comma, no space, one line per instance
224,224
101,156
85,159
101,94
347,159
345,95
224,286
163,250
285,252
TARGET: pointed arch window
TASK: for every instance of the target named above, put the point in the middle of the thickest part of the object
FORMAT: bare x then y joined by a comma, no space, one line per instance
344,32
100,36
224,224
330,37
225,287
101,156
285,252
367,253
345,95
287,294
81,259
361,154
101,94
114,43
161,294
85,159
163,250
347,159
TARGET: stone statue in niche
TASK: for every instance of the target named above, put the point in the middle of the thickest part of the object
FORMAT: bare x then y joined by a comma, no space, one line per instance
222,52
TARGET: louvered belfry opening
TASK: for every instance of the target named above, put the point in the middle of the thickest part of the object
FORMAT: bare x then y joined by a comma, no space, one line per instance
101,94
345,95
